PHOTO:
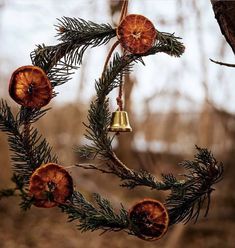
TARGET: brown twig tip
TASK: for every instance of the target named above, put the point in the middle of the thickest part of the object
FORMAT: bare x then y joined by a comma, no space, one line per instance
222,63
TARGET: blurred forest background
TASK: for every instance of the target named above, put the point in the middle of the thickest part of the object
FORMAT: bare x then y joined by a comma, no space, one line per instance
172,104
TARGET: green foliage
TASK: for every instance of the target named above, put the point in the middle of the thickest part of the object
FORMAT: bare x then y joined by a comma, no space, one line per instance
26,199
169,44
76,35
185,197
185,203
98,114
6,193
81,31
91,217
29,150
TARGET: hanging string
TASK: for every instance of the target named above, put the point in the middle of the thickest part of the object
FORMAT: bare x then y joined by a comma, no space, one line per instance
109,56
120,94
122,15
123,10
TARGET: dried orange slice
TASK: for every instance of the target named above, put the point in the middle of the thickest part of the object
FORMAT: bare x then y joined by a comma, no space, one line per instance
136,34
30,87
50,185
149,219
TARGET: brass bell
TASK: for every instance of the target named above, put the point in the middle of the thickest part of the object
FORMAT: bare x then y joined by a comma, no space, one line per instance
119,122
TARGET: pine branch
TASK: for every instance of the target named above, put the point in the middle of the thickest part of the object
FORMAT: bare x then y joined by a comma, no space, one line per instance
49,58
26,200
28,153
29,115
7,120
30,150
203,172
76,35
4,193
188,196
169,44
91,217
81,31
98,114
131,178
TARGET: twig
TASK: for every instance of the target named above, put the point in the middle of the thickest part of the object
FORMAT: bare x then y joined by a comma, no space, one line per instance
120,94
109,56
222,63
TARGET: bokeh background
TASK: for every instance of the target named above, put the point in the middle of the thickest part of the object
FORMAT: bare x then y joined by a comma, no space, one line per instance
173,103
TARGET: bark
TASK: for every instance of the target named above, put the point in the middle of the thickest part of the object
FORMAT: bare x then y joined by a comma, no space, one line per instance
225,16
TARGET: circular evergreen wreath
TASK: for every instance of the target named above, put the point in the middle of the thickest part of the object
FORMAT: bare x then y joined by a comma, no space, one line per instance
38,177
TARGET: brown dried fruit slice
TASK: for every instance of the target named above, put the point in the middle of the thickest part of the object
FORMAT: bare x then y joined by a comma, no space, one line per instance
30,87
136,34
149,219
50,185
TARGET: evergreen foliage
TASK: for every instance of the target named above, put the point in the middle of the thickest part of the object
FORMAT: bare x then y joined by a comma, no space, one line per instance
76,35
91,217
30,150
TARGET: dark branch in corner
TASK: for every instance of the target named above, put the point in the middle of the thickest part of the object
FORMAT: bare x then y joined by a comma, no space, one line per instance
224,14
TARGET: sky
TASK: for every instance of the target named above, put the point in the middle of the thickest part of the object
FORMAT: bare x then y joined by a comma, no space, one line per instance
25,23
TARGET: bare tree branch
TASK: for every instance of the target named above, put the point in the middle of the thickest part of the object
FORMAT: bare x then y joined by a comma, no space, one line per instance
222,63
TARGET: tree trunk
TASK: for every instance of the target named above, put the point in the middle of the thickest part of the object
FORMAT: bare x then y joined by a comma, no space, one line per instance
225,16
